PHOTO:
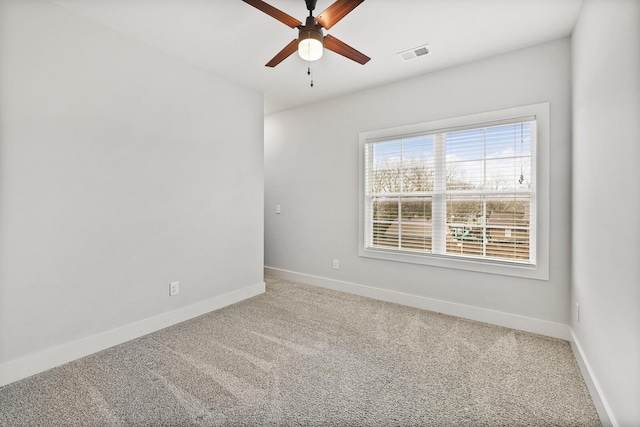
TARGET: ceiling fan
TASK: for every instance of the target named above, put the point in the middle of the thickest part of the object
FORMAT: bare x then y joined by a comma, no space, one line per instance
311,40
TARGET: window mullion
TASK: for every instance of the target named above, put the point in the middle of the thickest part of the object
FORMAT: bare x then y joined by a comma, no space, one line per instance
401,177
484,197
484,225
438,203
399,222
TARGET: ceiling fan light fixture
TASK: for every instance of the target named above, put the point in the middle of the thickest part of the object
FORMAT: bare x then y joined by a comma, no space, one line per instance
311,40
310,47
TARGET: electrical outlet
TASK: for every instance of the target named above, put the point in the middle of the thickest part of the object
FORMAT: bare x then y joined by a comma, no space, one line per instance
278,210
336,264
578,312
174,288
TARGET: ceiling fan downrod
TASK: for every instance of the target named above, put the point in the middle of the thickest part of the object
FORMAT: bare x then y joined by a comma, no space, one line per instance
311,5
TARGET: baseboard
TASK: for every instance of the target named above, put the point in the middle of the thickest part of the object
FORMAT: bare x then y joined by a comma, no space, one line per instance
600,402
514,321
50,358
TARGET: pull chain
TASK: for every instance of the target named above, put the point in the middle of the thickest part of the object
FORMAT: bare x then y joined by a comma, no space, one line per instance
309,73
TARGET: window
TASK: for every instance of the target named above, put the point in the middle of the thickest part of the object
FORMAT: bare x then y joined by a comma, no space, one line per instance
462,193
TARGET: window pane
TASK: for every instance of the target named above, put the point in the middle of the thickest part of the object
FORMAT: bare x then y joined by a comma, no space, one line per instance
384,176
385,214
415,227
464,159
465,225
508,229
508,150
418,165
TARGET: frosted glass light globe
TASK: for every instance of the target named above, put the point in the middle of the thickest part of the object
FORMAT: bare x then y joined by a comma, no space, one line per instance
310,49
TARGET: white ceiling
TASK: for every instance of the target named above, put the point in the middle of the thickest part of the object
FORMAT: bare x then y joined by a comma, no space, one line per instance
235,40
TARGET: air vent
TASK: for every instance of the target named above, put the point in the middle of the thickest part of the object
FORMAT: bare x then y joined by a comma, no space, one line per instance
414,53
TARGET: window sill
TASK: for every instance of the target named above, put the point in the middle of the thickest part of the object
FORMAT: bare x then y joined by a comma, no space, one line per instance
503,268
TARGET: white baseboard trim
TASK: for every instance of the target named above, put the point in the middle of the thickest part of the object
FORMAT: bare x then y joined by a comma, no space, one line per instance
27,366
600,402
514,321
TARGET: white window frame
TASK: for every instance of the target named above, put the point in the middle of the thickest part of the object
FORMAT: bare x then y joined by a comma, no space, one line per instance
540,269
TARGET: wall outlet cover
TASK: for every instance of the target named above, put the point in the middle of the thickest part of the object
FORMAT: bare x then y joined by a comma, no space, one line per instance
174,288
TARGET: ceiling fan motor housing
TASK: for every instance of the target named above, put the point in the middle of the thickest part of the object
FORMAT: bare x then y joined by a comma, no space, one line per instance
310,30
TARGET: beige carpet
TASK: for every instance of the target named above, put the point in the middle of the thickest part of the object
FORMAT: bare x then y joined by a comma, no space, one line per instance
302,355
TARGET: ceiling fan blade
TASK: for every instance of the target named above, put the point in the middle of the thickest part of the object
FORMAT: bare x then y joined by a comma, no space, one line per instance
283,54
274,12
336,12
341,48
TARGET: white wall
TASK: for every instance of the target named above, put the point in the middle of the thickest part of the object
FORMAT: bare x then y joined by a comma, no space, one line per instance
606,200
121,170
311,170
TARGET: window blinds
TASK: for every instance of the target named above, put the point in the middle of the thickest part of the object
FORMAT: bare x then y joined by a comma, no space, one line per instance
461,192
